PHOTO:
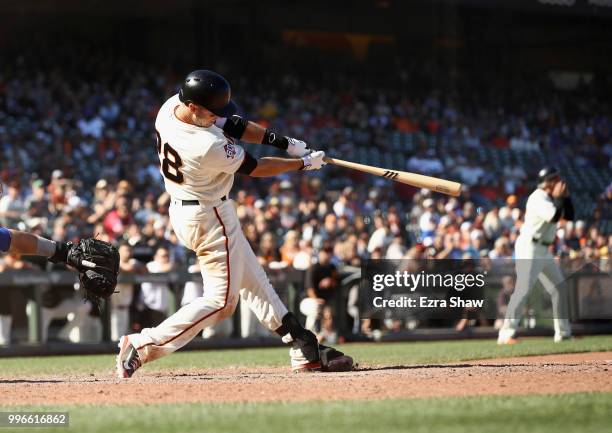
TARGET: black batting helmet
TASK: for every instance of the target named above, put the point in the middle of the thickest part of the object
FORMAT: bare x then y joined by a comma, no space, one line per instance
209,90
548,173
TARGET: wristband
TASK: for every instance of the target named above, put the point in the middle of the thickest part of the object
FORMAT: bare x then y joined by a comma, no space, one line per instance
61,252
273,139
45,247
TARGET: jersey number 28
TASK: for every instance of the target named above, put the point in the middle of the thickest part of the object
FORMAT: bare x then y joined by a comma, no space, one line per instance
171,162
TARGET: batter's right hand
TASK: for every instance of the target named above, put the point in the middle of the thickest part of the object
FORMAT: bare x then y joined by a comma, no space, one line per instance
314,161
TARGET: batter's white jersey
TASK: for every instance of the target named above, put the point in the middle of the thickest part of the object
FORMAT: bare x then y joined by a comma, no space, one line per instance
539,211
197,163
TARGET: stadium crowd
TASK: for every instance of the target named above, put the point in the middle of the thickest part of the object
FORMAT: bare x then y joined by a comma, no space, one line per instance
79,160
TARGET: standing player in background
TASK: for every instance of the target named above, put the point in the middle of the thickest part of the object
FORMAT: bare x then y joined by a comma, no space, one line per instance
198,156
545,207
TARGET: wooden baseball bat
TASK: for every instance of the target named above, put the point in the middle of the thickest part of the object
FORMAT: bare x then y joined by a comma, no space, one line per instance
433,183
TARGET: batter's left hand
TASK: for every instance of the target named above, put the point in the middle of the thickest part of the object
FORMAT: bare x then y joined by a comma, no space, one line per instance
297,147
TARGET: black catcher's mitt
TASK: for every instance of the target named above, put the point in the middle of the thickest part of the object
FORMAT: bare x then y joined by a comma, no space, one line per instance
97,262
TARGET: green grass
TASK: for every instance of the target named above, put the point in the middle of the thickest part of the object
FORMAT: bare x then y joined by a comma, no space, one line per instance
582,412
366,354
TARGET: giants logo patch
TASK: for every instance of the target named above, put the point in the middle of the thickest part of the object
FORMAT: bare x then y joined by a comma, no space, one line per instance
230,150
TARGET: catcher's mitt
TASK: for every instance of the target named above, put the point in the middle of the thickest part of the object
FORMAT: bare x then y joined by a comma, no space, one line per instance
97,262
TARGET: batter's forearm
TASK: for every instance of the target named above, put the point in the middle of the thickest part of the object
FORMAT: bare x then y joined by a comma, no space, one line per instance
271,166
254,133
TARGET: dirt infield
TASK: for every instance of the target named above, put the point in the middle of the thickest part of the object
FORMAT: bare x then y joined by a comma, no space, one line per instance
527,375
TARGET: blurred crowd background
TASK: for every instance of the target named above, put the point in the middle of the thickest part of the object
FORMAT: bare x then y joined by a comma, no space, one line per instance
78,159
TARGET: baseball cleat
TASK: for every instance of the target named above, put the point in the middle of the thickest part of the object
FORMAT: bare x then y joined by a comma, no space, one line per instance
299,363
561,338
331,360
507,341
127,360
335,361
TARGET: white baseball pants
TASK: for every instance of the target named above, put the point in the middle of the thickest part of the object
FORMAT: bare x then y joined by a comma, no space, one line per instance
533,262
230,270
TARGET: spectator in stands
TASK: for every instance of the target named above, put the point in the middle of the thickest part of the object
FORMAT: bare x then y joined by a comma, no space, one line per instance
37,204
328,333
153,302
429,219
492,225
501,249
425,162
121,301
117,220
471,172
268,250
321,283
290,247
12,206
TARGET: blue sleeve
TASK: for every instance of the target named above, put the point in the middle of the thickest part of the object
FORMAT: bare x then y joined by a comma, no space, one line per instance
5,239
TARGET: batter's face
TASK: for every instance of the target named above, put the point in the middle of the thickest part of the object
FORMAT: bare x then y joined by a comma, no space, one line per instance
200,116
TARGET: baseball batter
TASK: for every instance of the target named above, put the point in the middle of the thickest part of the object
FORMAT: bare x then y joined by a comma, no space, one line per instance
545,207
196,132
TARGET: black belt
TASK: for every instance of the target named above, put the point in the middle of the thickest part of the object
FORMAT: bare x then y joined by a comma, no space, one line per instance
537,241
196,202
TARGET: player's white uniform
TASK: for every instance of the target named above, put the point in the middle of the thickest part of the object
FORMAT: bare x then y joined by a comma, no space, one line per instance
533,261
199,164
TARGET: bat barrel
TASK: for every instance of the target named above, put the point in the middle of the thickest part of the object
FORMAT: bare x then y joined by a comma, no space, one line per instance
418,180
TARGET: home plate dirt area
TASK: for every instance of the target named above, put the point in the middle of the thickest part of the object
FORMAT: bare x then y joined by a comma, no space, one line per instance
550,374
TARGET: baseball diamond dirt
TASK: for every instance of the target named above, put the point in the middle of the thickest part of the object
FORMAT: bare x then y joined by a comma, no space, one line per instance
549,374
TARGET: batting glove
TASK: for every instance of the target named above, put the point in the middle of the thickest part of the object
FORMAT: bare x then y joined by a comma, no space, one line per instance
297,147
314,161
